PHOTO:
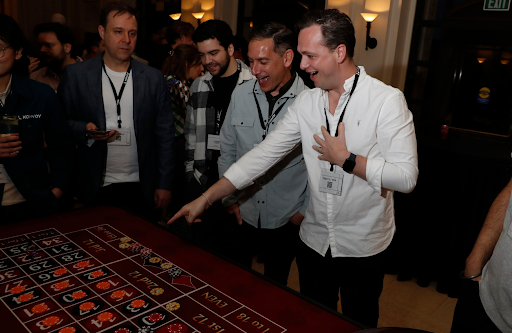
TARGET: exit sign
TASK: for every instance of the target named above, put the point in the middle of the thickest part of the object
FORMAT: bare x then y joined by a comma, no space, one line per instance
502,5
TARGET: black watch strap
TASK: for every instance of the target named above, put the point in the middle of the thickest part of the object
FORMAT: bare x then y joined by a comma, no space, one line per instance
350,163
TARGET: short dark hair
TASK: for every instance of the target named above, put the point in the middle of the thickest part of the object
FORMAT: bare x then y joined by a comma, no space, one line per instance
182,58
336,27
178,29
214,29
92,39
12,35
63,33
282,37
119,8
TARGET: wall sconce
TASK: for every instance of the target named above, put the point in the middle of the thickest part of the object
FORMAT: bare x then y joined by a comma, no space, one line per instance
504,61
198,17
176,16
480,60
369,17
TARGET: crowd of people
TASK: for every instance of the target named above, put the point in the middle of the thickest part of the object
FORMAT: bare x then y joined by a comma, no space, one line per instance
268,165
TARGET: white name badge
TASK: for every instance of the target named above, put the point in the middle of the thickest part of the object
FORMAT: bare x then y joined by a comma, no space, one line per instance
121,138
4,177
213,142
331,182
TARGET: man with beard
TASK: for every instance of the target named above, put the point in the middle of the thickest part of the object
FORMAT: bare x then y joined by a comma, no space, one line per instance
57,47
209,100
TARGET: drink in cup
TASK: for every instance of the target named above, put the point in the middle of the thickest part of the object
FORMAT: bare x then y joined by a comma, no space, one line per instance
9,125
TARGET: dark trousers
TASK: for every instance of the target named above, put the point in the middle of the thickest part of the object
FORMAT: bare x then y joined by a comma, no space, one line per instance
470,315
17,213
129,196
278,246
359,282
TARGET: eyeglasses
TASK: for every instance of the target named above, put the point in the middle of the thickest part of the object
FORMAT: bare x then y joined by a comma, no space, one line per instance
2,50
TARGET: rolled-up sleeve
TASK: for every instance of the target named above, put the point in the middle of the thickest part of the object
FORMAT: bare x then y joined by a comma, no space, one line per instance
397,169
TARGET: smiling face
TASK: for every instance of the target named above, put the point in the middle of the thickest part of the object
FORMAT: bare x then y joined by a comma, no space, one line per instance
120,36
318,61
271,69
214,56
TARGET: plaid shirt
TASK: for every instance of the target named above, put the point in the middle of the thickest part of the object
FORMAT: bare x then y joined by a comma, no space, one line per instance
201,122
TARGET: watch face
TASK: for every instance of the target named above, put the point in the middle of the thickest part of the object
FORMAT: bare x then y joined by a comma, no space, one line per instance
349,165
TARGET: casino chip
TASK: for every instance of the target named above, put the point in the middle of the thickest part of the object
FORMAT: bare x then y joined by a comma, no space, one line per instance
50,321
155,260
103,285
125,239
157,291
173,306
177,328
118,294
124,246
145,253
25,297
39,308
123,330
97,274
166,265
175,272
87,306
78,295
17,290
135,247
138,303
61,285
154,317
146,329
83,264
68,329
105,316
60,271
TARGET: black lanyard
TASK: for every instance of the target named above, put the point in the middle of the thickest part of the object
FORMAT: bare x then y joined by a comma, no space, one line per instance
116,96
271,116
354,85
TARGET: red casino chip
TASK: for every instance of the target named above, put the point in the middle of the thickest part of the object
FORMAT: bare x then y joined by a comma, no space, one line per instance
122,330
154,317
83,264
68,329
118,294
78,295
50,321
61,285
39,308
97,274
103,285
87,306
25,297
105,316
60,271
17,290
138,303
176,328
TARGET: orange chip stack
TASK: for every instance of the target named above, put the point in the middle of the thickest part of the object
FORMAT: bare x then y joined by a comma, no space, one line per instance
103,285
87,306
61,285
78,295
17,290
105,316
138,303
68,329
39,308
97,274
60,271
50,321
118,294
83,264
25,297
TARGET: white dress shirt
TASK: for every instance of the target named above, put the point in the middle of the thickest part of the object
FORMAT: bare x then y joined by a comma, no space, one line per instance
378,126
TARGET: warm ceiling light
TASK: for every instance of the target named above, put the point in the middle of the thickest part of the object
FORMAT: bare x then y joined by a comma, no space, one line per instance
176,16
480,60
198,16
369,17
504,61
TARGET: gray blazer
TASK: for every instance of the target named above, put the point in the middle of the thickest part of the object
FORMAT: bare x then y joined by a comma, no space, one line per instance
80,91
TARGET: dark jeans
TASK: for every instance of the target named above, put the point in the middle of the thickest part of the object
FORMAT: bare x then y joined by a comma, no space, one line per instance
359,282
470,315
279,246
129,196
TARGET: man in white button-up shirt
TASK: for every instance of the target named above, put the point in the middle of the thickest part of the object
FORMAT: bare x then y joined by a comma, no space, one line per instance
352,173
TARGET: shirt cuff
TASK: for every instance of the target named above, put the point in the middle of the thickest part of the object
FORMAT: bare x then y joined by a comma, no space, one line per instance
237,177
374,168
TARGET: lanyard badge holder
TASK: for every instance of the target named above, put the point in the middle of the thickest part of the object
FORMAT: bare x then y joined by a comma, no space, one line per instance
271,116
331,180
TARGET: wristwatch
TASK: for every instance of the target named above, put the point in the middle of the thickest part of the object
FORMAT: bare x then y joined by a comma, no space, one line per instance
350,163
